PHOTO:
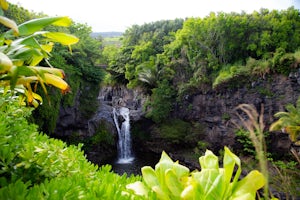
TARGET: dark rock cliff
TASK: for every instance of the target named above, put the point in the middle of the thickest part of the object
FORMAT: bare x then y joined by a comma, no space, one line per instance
213,111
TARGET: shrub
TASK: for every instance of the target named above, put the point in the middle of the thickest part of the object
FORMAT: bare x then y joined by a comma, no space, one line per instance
174,130
34,166
161,103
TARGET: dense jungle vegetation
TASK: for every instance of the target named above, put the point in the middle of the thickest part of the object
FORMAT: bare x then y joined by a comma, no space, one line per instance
178,58
169,59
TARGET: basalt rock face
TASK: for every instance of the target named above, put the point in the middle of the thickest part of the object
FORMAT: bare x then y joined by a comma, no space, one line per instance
113,97
216,109
73,122
120,96
71,119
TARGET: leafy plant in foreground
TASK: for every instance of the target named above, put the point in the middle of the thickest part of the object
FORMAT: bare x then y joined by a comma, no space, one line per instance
23,47
34,166
170,180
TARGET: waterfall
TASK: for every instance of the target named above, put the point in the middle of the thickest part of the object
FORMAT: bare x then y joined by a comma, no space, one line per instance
123,128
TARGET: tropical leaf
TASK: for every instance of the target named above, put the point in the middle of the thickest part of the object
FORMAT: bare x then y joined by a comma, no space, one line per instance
173,182
149,176
289,121
32,26
62,38
56,81
248,186
3,4
5,63
10,24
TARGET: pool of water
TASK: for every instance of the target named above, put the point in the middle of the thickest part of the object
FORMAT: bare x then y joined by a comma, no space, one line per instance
134,166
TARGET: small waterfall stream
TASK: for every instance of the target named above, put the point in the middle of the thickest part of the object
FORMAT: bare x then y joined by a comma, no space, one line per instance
123,128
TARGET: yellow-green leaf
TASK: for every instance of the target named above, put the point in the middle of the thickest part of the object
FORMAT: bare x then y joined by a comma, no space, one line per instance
35,25
160,193
56,81
249,185
149,176
3,4
173,183
5,63
41,70
63,38
138,187
188,192
209,161
10,24
48,47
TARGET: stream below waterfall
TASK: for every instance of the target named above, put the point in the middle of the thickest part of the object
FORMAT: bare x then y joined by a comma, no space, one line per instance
134,167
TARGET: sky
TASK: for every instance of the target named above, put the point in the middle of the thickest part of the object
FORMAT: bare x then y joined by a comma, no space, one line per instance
118,15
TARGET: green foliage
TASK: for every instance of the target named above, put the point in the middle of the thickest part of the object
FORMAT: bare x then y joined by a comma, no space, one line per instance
289,121
283,62
230,74
216,51
174,130
170,180
242,136
33,166
286,178
161,102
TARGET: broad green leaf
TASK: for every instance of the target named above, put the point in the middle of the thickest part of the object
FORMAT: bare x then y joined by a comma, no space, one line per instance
249,185
138,187
25,71
161,167
173,183
243,197
216,189
10,24
56,82
160,193
35,25
149,176
209,161
276,125
63,38
26,80
27,41
47,47
229,162
180,170
37,97
188,192
41,70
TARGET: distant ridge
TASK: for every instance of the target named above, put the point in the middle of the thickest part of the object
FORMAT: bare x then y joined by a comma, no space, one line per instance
106,34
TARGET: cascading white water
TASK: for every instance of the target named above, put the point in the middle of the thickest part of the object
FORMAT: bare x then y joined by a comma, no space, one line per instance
123,128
